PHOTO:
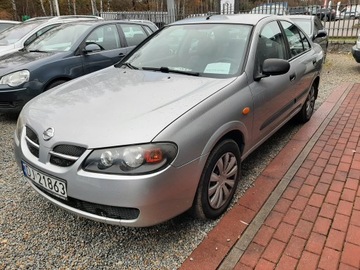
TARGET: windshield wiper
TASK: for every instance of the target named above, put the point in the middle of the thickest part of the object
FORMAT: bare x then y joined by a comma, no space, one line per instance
127,64
37,51
168,70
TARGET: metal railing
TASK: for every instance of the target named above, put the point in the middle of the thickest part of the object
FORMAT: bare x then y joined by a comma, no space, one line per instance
336,25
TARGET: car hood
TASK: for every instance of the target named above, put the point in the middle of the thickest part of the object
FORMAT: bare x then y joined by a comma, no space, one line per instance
117,106
5,49
20,60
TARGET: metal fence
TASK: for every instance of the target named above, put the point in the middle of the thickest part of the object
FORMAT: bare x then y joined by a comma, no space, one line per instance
343,28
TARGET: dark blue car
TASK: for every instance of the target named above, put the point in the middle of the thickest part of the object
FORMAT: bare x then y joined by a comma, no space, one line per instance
64,53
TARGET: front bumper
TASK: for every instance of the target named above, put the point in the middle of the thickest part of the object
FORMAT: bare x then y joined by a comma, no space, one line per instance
135,201
13,99
356,53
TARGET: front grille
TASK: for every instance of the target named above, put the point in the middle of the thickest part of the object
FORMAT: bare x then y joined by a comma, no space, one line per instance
126,213
65,155
32,142
71,150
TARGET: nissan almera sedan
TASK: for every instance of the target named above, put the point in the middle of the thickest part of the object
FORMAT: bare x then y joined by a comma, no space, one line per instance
165,130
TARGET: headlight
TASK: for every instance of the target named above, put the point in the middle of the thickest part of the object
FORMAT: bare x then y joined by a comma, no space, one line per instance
16,78
136,159
19,126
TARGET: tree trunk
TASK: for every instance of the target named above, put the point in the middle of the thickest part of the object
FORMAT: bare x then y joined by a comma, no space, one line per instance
74,6
69,6
42,7
13,4
51,8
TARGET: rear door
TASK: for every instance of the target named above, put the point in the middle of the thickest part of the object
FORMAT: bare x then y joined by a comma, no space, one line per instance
303,61
134,34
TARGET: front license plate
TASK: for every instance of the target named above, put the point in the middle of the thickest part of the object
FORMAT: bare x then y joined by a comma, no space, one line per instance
51,184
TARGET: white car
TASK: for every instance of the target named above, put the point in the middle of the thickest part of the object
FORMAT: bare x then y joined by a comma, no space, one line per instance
5,24
17,37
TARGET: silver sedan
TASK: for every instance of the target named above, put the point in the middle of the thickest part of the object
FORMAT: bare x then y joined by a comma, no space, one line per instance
165,130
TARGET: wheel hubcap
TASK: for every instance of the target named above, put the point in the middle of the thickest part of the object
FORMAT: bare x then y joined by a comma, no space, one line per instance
222,180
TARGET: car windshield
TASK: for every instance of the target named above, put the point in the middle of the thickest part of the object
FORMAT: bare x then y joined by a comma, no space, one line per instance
59,39
212,50
15,33
304,25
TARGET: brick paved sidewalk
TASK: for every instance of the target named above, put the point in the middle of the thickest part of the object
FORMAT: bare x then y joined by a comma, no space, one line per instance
304,209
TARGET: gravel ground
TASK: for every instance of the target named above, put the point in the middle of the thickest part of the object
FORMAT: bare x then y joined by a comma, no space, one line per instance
34,234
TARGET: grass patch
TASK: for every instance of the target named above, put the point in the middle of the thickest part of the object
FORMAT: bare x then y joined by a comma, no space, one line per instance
342,40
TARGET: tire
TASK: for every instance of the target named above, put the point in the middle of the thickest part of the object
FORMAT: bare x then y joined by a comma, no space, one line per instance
218,181
55,83
307,109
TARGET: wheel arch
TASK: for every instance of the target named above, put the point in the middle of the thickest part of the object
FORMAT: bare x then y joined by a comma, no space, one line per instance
237,134
53,80
316,84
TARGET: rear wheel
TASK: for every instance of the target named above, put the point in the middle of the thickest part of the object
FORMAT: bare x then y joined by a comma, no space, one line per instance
218,181
307,109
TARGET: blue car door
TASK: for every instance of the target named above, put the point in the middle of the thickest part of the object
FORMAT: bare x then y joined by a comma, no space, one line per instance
109,48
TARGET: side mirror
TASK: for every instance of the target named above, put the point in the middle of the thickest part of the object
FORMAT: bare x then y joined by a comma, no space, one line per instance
92,48
273,67
321,34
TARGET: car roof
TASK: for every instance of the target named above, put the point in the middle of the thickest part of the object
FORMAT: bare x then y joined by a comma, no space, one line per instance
299,16
64,17
9,21
251,19
101,22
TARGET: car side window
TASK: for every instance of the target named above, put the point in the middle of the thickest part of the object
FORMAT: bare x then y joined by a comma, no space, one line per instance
134,34
148,30
298,43
305,41
106,36
270,45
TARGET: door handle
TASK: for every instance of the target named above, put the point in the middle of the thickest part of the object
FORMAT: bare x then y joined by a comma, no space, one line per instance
121,54
292,77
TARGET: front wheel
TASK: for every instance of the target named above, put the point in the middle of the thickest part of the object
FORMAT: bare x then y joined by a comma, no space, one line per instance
218,181
55,83
308,107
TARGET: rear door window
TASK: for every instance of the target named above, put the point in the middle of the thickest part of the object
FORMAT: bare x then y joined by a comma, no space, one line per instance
134,34
106,36
298,42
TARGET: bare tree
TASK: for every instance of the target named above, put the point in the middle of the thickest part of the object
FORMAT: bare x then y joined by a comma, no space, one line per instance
42,7
13,5
93,7
74,6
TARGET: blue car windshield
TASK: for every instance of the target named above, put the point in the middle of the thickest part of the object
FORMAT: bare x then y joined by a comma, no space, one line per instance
59,39
211,50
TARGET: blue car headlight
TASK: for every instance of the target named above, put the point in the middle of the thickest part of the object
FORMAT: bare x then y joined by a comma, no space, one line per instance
16,78
133,159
